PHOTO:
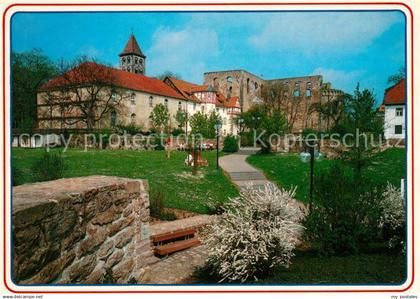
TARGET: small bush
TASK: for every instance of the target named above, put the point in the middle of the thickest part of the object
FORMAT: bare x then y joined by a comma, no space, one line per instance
50,166
258,232
345,214
158,143
230,144
16,176
177,132
392,220
131,129
157,209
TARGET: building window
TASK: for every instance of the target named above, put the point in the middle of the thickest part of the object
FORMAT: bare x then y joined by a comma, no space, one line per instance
113,119
308,93
136,60
179,105
256,85
128,59
166,103
217,110
398,129
133,118
202,108
247,85
150,101
296,93
194,106
230,92
399,112
133,99
214,82
229,79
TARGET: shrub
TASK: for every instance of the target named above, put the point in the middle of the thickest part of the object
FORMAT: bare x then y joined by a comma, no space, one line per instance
16,176
131,129
177,132
230,144
157,209
392,220
50,166
258,231
345,214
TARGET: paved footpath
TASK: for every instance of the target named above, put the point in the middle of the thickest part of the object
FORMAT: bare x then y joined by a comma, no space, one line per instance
243,174
240,172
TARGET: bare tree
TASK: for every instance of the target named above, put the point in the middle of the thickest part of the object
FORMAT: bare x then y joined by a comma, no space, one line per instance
279,96
85,92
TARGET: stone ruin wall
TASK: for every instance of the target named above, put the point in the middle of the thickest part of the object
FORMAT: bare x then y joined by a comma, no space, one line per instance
82,230
243,86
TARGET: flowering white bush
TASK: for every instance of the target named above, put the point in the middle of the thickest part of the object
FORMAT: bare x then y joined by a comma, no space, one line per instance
258,231
393,215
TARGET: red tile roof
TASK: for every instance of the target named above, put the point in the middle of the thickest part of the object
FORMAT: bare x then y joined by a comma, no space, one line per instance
132,47
232,102
91,71
396,95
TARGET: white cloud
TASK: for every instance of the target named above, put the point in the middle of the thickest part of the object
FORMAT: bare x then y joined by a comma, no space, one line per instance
182,51
322,33
340,79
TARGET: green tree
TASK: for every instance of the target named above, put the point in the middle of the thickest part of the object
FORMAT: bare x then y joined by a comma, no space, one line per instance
199,124
362,123
264,123
213,119
29,71
397,77
165,74
181,118
204,124
159,117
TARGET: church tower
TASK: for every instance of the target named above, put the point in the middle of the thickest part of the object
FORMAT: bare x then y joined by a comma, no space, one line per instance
132,58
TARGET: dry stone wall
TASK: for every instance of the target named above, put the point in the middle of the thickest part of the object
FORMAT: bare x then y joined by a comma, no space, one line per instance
81,230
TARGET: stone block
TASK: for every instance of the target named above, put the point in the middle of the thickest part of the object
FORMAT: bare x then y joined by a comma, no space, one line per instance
124,237
82,268
95,238
121,272
106,217
106,249
133,186
114,258
120,224
52,270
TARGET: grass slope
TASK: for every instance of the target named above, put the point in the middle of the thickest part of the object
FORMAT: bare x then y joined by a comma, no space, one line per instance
288,171
182,190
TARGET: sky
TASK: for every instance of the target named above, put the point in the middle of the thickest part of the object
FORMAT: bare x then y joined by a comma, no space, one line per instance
344,47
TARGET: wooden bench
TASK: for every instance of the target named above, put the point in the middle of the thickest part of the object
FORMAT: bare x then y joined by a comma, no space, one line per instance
174,241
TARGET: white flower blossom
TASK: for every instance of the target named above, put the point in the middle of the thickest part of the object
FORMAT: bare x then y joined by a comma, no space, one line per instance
259,230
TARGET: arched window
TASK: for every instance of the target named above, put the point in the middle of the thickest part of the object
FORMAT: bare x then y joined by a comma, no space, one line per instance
128,59
166,103
256,85
229,79
133,99
179,105
150,101
308,89
215,82
247,85
113,119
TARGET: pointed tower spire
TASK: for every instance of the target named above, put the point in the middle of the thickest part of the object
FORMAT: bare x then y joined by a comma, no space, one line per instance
132,58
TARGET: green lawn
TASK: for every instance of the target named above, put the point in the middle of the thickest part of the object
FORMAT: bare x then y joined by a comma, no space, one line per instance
182,190
306,268
288,170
